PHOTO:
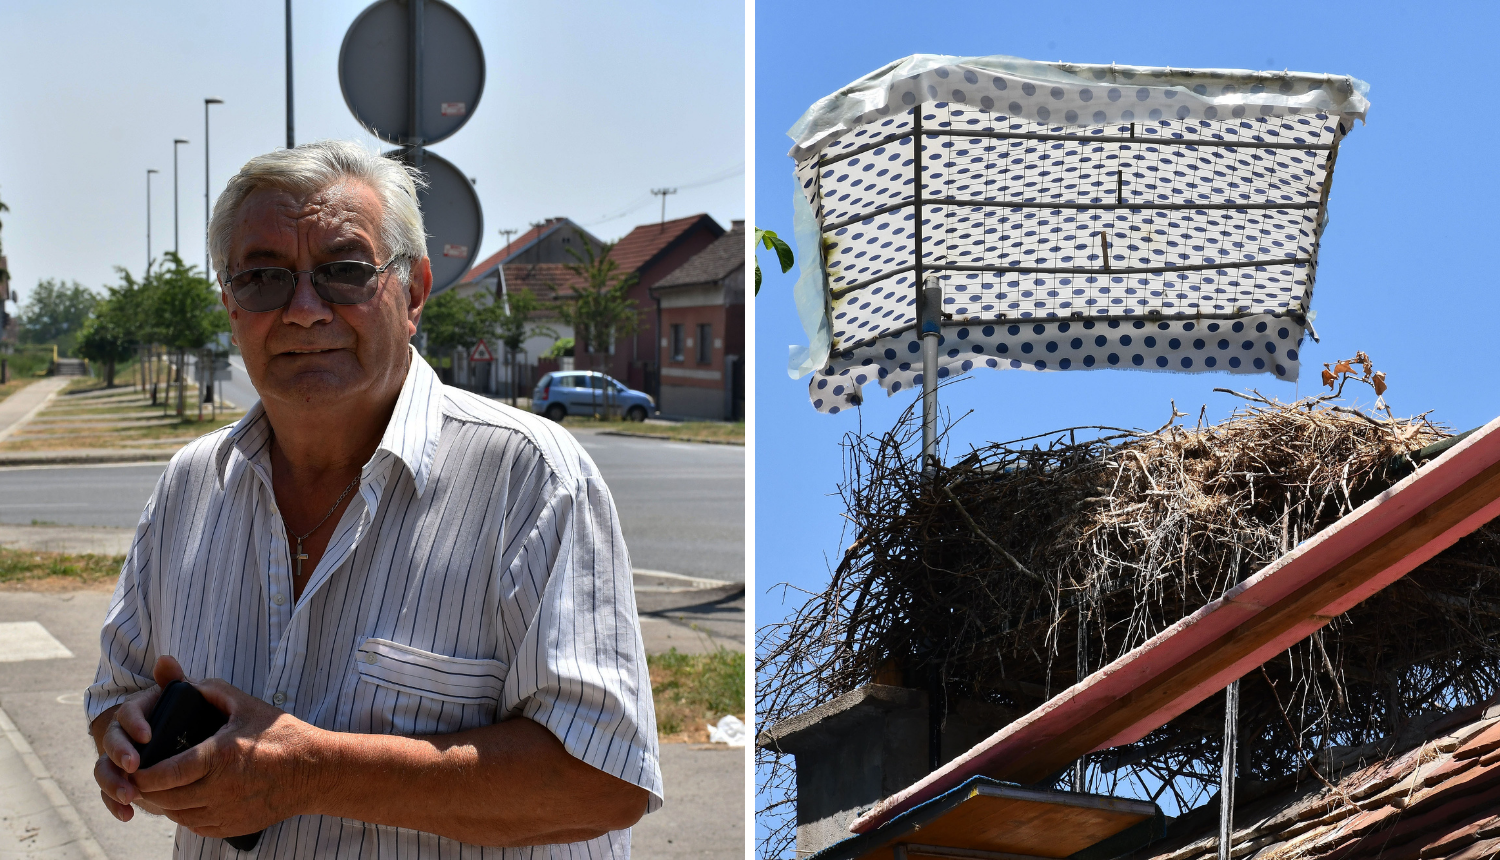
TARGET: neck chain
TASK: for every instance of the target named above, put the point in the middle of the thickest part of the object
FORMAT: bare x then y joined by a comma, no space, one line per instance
300,556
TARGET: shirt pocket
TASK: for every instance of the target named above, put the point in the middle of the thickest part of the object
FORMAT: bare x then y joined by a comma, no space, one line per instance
403,690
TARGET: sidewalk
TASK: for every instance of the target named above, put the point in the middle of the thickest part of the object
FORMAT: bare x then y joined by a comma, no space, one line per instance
36,818
18,409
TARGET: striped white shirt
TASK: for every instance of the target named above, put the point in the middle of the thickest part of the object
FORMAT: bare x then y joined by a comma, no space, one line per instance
479,574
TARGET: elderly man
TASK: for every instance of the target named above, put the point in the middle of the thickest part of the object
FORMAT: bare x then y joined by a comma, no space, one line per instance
413,604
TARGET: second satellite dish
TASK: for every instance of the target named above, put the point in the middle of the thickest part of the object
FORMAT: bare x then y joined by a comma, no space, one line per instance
455,224
374,71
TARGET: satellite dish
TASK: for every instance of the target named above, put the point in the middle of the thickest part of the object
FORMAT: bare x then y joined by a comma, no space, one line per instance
450,211
374,71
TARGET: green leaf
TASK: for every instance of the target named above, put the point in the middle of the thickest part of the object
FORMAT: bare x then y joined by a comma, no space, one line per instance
770,240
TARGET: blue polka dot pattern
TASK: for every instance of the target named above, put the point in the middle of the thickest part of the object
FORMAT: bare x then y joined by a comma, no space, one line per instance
1157,345
1182,238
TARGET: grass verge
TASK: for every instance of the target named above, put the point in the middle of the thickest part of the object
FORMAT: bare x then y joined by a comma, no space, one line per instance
57,571
693,690
686,431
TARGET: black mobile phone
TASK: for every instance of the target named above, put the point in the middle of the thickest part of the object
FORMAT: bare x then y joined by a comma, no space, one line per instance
183,719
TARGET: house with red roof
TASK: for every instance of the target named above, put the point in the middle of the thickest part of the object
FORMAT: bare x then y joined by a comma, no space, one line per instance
653,251
538,260
702,347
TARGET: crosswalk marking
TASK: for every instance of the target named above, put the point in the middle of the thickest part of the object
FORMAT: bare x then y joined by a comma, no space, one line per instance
28,640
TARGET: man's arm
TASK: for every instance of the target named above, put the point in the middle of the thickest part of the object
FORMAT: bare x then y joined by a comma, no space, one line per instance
507,784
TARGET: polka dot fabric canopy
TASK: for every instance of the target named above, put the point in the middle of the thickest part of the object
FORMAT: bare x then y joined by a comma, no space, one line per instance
1076,217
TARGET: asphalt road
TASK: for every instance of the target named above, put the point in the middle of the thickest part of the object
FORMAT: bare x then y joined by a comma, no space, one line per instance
682,504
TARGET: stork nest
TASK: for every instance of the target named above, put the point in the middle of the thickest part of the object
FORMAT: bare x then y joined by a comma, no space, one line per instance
1005,575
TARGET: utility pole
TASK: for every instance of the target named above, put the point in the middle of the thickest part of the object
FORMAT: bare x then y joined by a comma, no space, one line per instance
175,232
207,263
415,32
149,171
510,354
504,292
663,192
290,136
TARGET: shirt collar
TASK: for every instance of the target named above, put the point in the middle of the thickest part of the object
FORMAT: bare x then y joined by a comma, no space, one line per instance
411,435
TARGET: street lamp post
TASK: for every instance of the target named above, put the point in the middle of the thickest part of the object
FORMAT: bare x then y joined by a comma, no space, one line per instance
207,263
149,171
290,137
176,235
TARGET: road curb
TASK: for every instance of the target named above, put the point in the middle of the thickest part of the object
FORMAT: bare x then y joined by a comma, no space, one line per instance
666,438
66,815
84,459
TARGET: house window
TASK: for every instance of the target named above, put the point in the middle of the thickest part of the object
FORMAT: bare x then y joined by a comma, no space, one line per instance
677,342
705,343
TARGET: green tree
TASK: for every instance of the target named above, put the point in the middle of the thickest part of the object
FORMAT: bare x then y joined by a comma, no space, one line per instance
513,325
451,322
107,339
600,310
55,313
185,312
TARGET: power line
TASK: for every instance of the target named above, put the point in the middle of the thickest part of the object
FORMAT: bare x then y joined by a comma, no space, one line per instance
645,199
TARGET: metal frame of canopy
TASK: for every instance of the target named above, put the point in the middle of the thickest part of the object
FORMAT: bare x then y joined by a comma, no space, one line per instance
1247,116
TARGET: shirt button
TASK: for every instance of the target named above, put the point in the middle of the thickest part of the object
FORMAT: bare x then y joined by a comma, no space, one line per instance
279,599
279,698
370,657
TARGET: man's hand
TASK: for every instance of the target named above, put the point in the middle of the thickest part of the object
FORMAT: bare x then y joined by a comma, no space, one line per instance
246,777
113,732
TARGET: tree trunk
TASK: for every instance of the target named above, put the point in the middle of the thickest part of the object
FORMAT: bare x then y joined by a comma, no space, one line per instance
109,373
181,382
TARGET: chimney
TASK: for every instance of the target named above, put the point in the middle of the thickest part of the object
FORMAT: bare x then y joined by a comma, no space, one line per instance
863,747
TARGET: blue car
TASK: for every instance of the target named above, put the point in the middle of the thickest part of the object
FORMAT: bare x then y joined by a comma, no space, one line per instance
587,392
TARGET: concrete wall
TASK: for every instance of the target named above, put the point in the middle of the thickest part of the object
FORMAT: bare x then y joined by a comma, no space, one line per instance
863,747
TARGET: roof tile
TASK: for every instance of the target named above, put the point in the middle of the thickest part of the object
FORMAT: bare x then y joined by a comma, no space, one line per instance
1483,850
640,245
1484,742
718,260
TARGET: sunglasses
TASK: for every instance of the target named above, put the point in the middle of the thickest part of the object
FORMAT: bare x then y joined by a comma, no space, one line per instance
343,282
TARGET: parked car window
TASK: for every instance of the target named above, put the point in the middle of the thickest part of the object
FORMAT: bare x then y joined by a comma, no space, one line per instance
677,345
705,343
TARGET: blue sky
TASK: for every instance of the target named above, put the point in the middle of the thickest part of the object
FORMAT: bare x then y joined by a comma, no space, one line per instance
1401,272
588,104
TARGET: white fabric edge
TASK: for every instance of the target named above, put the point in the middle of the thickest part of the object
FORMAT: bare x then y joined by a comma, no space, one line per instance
811,290
877,94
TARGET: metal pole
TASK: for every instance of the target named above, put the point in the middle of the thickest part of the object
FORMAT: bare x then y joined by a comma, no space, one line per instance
148,218
291,138
1226,770
414,80
1079,766
929,309
176,233
1231,738
207,263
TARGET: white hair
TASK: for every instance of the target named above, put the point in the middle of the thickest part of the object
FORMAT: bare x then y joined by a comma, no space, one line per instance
312,167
